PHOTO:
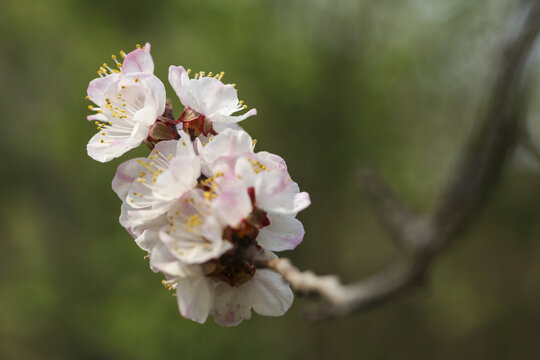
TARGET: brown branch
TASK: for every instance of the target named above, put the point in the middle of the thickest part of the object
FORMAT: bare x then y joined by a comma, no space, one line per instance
466,195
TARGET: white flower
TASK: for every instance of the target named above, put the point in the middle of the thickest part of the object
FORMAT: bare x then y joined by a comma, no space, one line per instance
210,104
200,295
148,187
128,103
244,202
264,177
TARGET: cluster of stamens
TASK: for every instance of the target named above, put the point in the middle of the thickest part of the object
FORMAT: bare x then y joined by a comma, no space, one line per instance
257,166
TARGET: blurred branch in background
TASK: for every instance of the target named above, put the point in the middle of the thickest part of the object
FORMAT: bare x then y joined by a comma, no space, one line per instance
422,238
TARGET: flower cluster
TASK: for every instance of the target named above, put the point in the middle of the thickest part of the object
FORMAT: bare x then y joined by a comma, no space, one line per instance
203,204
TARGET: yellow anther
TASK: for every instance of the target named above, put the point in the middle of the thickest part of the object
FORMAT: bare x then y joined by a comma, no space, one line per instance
87,97
101,141
210,74
96,122
188,71
123,54
138,46
244,107
113,57
202,73
233,85
136,79
221,75
241,102
90,107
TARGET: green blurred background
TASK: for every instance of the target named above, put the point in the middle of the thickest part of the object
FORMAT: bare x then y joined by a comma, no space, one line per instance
338,84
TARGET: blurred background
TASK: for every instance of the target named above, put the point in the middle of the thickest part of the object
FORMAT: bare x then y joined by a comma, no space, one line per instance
338,84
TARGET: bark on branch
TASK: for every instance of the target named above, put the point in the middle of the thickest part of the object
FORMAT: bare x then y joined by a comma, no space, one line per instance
479,171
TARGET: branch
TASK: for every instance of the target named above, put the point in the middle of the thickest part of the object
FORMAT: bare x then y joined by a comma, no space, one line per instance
466,195
404,226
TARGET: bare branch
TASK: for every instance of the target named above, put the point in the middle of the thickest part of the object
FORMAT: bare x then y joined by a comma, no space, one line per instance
477,175
405,227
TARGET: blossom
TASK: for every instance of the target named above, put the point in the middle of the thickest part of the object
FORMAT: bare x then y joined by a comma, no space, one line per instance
148,187
128,102
200,295
209,103
265,179
207,263
245,202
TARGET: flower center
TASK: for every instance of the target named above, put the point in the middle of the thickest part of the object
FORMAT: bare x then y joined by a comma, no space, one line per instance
163,129
195,123
233,267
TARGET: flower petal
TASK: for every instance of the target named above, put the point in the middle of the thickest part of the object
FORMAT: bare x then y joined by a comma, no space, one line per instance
162,260
231,304
100,86
269,294
179,80
139,60
125,175
195,297
231,119
228,143
284,233
233,205
275,192
103,148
